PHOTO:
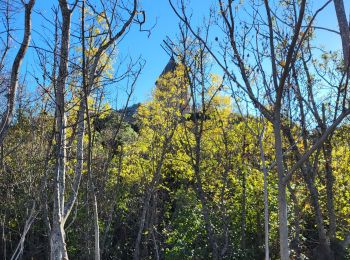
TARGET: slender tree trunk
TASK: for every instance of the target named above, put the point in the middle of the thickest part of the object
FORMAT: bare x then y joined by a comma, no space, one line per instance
145,208
2,158
324,244
152,225
12,89
57,238
156,249
244,213
308,172
296,223
329,187
308,176
3,237
58,246
244,202
282,196
17,254
86,91
96,229
266,198
343,28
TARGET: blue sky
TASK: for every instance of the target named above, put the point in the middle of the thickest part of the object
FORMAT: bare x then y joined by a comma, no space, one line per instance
138,43
156,58
159,13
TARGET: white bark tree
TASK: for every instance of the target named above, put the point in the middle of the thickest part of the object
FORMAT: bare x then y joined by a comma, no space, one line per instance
13,83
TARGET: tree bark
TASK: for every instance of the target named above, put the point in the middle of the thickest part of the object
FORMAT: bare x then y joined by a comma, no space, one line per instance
12,89
322,236
343,28
282,196
309,176
96,229
244,213
17,254
296,240
329,187
266,197
57,243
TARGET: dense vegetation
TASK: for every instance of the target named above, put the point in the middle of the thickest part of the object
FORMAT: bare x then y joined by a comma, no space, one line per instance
242,152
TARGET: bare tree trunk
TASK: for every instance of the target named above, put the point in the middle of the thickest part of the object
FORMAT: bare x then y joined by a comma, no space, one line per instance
156,249
327,151
151,226
2,157
343,24
136,255
91,182
12,89
17,254
324,244
58,246
295,242
3,237
308,176
266,197
57,243
282,196
244,201
96,229
343,28
86,93
244,212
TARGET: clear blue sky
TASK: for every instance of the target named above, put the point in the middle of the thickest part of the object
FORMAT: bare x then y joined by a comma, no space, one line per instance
156,58
137,43
167,26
